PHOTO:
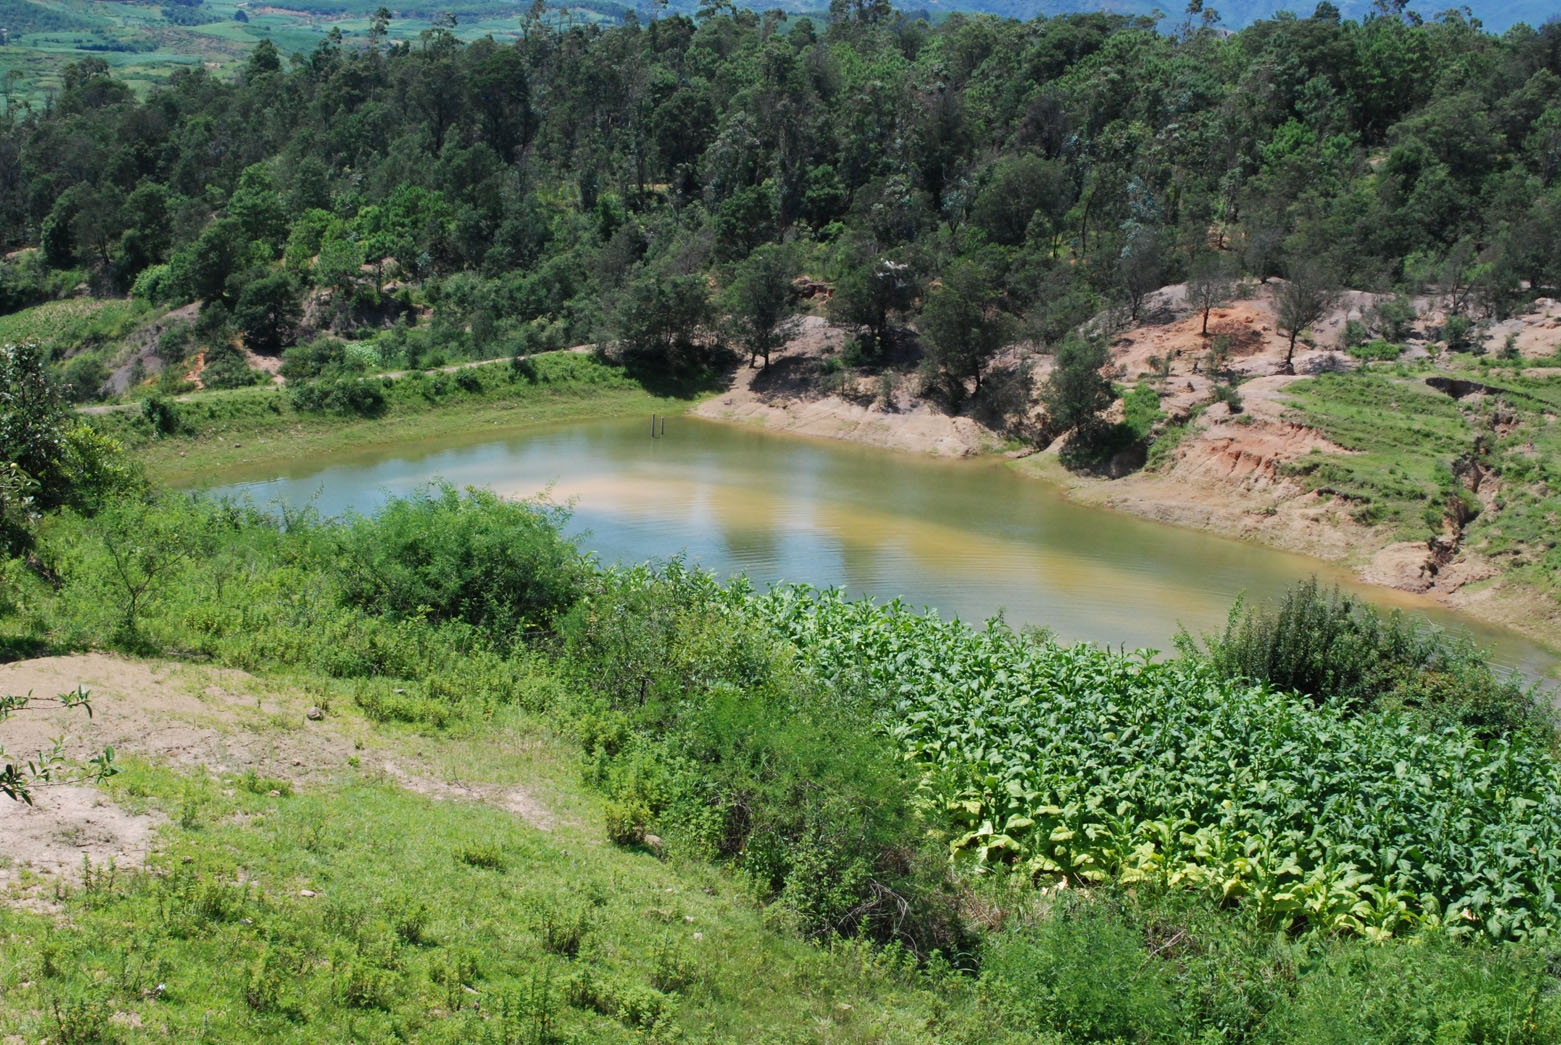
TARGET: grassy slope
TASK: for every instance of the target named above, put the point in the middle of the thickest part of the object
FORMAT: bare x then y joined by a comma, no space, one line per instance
443,896
434,921
1406,437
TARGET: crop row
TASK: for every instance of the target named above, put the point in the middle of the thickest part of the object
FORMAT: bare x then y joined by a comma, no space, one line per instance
1080,762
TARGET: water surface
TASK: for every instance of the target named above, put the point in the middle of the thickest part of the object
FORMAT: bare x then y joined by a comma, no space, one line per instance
968,538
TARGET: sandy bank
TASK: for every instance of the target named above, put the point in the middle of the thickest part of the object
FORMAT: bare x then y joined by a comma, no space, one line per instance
1227,476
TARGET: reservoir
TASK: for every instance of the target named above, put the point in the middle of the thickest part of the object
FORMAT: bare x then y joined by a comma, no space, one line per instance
966,538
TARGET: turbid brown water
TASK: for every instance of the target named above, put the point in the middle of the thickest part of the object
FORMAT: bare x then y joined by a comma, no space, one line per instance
967,538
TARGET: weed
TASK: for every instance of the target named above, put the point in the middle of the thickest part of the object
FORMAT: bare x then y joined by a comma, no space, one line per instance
84,1019
671,969
563,929
256,784
411,921
487,857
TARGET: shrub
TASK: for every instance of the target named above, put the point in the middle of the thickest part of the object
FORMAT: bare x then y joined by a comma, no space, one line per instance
1355,333
321,357
1230,396
345,396
1431,990
1459,333
1081,972
1141,409
446,556
1375,350
701,727
1335,646
227,367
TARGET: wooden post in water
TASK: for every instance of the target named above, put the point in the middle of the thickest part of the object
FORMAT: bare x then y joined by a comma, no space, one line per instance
663,424
653,426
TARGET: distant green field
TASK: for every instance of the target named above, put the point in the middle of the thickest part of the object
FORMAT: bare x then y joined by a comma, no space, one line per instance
144,48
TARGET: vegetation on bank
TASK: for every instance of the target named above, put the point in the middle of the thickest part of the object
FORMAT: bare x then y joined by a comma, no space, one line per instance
1466,454
940,833
1226,848
185,440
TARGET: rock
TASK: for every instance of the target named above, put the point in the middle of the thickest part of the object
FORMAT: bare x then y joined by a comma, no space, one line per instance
307,893
273,794
314,714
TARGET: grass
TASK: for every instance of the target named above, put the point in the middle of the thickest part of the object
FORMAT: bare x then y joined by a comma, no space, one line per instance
1406,436
72,321
1403,436
1524,453
231,432
435,921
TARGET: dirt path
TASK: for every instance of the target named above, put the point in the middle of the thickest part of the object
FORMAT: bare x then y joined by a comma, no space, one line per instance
272,366
195,718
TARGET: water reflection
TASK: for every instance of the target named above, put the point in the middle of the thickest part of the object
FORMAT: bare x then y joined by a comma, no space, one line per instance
967,538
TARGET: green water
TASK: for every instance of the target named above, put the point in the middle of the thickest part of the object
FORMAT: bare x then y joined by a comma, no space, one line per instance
967,538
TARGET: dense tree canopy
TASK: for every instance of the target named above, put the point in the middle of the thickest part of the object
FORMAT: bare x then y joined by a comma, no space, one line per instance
572,180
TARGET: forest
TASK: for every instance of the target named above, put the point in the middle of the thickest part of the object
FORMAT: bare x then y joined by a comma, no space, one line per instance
988,179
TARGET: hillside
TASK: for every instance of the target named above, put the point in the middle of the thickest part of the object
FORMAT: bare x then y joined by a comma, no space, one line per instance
471,788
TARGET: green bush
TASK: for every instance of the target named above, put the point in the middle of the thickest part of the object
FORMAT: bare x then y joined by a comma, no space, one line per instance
345,396
1376,350
1460,335
1230,396
699,725
1429,990
441,555
1081,972
1335,646
322,357
227,367
1141,409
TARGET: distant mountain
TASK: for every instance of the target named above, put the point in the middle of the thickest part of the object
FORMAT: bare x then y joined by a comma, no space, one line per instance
1496,15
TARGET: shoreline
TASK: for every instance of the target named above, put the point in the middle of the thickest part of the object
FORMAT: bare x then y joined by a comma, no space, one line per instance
1310,526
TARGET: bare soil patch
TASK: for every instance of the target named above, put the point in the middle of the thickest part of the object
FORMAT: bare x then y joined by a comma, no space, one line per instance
789,396
193,717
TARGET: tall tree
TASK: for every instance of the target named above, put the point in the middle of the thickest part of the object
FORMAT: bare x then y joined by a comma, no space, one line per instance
761,305
268,312
962,323
1302,300
1209,283
870,294
1139,268
1077,391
